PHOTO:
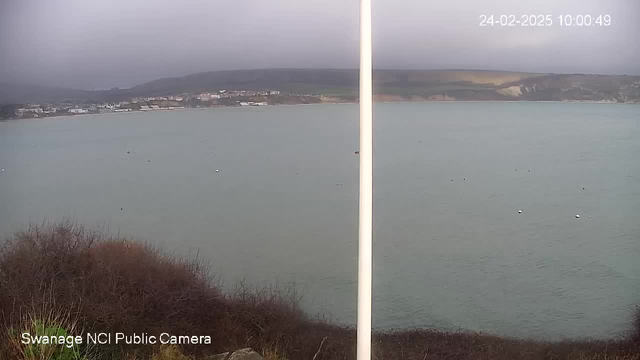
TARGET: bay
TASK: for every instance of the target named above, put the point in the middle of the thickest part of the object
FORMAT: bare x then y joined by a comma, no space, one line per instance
270,195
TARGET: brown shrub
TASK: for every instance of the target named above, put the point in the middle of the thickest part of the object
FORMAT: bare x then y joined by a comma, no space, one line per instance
114,285
635,332
118,285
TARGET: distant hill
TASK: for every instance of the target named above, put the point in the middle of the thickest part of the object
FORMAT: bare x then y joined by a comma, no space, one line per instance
11,93
580,87
324,81
390,85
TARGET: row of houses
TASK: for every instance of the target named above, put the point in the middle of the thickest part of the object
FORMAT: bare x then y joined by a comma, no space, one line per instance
39,110
156,98
113,106
224,94
36,110
157,107
254,93
206,96
106,110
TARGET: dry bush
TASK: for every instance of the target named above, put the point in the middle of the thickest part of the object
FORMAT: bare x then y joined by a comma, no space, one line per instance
170,352
118,285
635,331
114,285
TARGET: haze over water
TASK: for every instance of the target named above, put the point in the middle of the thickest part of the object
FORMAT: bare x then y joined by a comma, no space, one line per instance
451,250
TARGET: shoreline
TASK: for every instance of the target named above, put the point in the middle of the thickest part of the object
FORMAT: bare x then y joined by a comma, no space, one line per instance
334,103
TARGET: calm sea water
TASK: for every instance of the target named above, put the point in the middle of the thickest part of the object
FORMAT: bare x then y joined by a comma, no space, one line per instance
451,249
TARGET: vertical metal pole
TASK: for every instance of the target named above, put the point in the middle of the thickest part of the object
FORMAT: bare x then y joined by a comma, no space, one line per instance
366,185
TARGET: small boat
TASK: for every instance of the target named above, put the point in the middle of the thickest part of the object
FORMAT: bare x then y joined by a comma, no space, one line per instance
357,152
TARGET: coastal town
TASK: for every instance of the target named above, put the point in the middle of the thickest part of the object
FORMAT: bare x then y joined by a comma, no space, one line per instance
218,98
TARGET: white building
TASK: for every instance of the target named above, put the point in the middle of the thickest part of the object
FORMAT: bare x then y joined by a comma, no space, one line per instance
78,111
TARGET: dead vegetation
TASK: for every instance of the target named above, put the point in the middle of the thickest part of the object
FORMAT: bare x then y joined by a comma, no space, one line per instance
107,284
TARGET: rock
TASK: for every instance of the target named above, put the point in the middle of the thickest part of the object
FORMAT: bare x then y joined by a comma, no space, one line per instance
242,354
221,356
245,354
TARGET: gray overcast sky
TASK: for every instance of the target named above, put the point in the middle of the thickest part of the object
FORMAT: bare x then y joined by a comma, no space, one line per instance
96,44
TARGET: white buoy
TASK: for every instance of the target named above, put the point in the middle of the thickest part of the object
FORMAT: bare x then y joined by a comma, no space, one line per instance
217,170
2,170
577,216
519,211
589,216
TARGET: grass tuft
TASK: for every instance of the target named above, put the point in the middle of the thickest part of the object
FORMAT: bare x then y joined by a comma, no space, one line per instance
57,325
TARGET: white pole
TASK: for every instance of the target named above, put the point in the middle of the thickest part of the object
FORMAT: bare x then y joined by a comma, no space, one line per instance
366,185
